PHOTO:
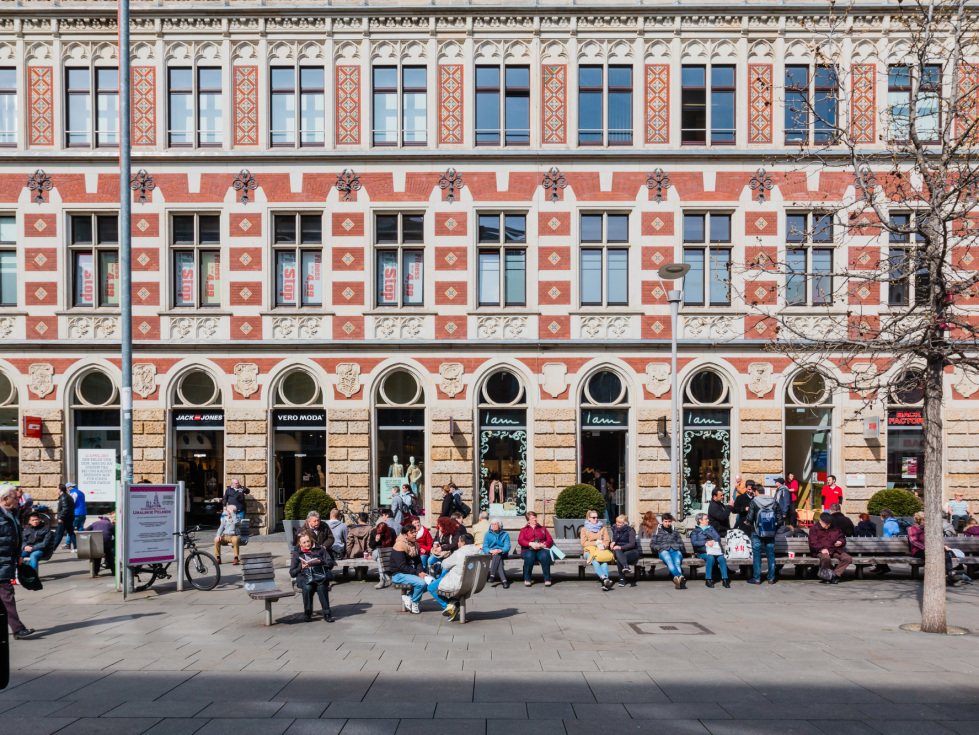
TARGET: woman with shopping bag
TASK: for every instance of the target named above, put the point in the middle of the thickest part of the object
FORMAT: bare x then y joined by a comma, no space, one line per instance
595,542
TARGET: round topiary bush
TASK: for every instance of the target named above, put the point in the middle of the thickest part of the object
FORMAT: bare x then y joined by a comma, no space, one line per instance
577,500
901,502
306,499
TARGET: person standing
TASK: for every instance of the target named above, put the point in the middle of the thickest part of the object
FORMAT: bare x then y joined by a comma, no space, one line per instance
783,496
741,505
719,513
793,485
234,495
764,518
832,493
10,551
66,518
397,507
668,545
81,511
827,542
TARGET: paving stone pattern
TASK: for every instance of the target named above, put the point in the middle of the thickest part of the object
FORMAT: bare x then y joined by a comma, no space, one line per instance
798,658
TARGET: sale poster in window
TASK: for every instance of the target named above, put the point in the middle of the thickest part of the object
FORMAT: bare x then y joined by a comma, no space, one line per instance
287,278
185,279
413,277
211,263
85,275
388,267
313,278
909,468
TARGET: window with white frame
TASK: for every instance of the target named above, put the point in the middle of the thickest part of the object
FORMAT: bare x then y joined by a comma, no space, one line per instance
8,260
94,245
707,250
298,244
901,83
88,89
8,106
823,91
303,122
604,262
908,279
605,104
400,94
196,253
400,259
195,106
503,110
502,259
707,98
809,259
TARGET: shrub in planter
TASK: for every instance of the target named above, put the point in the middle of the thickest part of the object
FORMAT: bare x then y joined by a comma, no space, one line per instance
577,500
306,499
901,502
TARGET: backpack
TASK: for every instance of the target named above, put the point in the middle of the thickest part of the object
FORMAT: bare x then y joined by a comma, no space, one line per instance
766,523
462,507
737,545
904,525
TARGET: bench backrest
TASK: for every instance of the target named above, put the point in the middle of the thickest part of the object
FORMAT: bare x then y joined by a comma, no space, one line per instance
258,571
968,544
892,545
474,574
244,531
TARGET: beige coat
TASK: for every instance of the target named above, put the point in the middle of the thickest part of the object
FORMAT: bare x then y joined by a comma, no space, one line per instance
589,538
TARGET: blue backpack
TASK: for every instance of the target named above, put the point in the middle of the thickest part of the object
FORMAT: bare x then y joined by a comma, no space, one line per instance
766,524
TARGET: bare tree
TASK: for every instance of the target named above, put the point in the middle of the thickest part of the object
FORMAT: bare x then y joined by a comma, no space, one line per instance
893,308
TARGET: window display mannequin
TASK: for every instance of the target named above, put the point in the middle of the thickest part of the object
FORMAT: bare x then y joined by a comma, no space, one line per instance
320,474
396,469
495,488
414,475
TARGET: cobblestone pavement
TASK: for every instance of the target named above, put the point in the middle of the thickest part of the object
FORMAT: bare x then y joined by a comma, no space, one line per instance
796,658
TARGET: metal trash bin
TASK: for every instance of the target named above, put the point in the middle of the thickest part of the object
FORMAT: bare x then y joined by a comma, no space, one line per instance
90,544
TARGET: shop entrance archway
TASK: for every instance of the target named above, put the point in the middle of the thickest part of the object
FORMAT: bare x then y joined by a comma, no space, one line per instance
808,435
198,446
706,439
604,440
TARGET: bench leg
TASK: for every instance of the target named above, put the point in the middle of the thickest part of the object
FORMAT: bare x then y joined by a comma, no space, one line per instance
346,570
859,571
95,565
581,572
692,573
361,574
462,611
268,613
914,571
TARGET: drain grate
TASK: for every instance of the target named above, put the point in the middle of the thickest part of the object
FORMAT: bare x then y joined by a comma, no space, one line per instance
671,627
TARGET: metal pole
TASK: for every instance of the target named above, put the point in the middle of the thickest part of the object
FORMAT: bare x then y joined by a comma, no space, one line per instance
125,250
674,298
178,539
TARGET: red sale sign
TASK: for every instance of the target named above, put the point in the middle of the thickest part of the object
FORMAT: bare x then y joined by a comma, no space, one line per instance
187,284
288,284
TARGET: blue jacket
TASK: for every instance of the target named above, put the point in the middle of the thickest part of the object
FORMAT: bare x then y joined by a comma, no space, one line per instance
499,541
891,528
79,497
700,535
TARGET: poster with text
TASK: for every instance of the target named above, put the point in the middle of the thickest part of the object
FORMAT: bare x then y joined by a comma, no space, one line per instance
97,474
150,523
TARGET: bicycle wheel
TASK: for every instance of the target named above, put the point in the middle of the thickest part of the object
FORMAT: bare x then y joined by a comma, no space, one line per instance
202,571
143,577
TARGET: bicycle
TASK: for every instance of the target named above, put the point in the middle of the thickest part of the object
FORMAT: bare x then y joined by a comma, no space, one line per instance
200,568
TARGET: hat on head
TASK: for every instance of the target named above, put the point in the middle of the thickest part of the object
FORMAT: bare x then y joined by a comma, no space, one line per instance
825,517
780,479
70,485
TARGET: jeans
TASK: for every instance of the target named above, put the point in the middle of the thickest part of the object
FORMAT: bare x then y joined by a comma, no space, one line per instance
538,556
601,568
426,559
79,523
497,567
958,522
433,590
65,529
321,590
756,544
418,585
625,559
672,559
709,562
33,557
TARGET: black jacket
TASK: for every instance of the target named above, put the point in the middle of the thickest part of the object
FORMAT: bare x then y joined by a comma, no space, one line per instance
625,537
235,498
317,552
10,546
866,529
66,508
741,504
718,516
322,536
40,538
403,563
840,521
448,505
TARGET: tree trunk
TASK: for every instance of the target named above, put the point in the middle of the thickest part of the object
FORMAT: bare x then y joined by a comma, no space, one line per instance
933,596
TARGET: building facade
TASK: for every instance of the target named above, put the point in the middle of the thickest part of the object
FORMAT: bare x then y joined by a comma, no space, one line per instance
372,244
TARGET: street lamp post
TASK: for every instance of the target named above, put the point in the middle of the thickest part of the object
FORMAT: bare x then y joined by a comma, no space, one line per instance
674,272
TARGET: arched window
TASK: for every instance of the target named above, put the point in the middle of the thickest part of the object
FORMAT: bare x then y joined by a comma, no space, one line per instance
96,421
9,431
399,409
604,437
905,431
299,438
808,435
706,438
198,442
502,412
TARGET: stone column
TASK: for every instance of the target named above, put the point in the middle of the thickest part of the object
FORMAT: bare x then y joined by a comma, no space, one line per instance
862,456
42,464
149,444
653,456
555,442
246,452
348,455
452,458
962,453
761,444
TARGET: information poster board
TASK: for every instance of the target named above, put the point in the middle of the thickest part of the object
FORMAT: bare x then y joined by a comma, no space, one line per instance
97,474
387,485
151,522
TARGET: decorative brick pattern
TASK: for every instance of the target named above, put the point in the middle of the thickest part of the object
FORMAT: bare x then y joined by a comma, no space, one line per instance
245,259
450,103
657,103
40,225
657,224
450,224
556,258
348,225
555,92
348,105
553,224
968,100
346,258
40,86
246,105
245,225
759,103
863,110
144,105
450,258
760,223
450,327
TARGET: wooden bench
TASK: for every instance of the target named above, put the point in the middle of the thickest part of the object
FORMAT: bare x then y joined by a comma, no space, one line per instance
474,578
258,573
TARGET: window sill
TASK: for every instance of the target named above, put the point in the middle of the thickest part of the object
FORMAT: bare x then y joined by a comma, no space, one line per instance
293,311
91,311
400,311
507,310
191,311
598,310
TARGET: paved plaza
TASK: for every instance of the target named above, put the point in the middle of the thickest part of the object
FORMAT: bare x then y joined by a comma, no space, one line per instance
796,658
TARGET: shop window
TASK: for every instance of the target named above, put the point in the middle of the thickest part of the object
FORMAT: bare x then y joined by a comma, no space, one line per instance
808,435
9,431
196,245
299,437
706,439
400,421
96,423
94,246
198,445
298,245
502,415
604,438
905,432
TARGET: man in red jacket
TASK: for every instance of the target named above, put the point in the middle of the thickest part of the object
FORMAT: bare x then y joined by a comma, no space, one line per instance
827,542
